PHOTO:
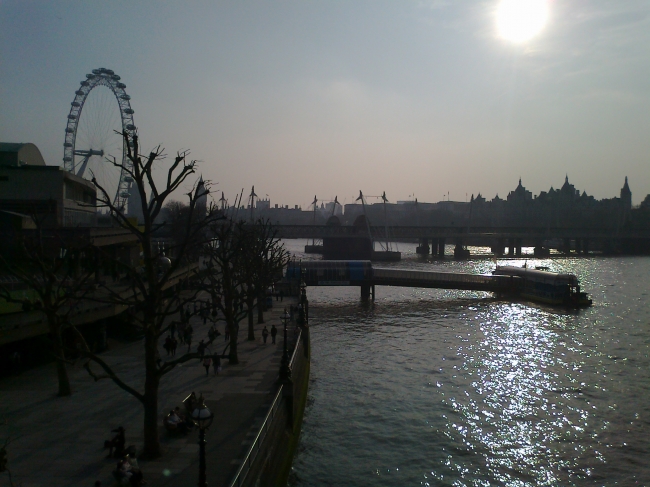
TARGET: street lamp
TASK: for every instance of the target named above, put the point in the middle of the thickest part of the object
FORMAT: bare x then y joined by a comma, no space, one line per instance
202,417
285,370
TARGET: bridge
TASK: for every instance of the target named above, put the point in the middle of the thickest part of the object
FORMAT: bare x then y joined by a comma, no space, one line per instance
580,239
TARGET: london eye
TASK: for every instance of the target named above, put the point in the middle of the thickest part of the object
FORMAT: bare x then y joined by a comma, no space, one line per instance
101,108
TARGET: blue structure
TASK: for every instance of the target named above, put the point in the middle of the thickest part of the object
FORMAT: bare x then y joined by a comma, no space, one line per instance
331,272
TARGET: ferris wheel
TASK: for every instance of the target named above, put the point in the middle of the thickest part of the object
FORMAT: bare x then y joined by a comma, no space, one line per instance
91,141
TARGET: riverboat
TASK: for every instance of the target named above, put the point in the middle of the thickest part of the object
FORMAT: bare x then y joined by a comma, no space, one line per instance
546,287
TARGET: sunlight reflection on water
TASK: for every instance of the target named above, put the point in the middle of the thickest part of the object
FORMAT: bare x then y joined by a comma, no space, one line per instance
436,387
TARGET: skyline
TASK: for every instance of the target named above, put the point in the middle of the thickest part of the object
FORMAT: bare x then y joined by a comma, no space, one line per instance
420,98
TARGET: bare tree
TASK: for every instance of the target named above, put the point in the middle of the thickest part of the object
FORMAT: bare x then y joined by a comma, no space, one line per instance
265,259
242,261
51,268
148,285
225,278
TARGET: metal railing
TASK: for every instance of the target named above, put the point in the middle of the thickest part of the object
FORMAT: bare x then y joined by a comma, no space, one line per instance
251,454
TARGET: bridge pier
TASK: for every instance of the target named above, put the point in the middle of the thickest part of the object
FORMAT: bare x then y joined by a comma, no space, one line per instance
578,246
540,250
585,246
511,247
441,248
566,248
365,292
500,248
518,246
423,248
460,252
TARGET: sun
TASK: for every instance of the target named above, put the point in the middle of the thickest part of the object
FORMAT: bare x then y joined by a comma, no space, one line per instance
521,20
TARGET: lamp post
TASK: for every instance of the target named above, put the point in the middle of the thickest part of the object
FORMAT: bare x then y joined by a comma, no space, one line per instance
202,417
285,370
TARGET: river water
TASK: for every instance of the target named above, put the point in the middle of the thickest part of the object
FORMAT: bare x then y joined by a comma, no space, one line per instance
437,387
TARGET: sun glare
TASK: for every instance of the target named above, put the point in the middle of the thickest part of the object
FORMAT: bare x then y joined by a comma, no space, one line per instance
521,20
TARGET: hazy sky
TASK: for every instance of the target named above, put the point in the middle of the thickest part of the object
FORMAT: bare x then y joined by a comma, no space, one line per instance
330,97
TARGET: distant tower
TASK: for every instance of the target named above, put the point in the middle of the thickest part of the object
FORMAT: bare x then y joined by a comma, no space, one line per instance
201,199
626,196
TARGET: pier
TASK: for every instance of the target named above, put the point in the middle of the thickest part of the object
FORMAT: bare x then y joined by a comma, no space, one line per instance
364,275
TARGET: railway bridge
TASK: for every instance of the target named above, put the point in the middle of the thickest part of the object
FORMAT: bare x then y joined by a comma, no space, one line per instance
354,241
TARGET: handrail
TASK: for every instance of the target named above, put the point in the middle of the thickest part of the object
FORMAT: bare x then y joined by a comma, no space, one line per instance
254,449
295,349
240,476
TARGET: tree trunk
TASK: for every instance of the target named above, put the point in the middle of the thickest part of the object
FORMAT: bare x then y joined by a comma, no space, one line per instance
260,308
151,448
61,371
232,356
250,303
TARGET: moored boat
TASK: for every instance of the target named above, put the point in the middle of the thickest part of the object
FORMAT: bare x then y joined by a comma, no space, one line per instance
546,287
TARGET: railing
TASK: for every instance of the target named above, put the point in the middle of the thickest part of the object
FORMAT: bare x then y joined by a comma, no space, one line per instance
251,454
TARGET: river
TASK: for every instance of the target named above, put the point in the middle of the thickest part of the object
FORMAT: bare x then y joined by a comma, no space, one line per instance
438,387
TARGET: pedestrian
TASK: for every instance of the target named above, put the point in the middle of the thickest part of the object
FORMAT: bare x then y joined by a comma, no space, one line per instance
168,344
274,333
181,332
201,348
174,345
281,294
216,363
188,338
117,443
172,329
207,361
265,334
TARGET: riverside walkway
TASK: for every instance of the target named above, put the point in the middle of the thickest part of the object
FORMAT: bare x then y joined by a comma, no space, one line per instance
59,441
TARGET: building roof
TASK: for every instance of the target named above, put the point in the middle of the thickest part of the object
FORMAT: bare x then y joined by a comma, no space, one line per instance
20,154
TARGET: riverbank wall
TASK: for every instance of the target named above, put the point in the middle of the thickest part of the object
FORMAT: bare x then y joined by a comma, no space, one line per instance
269,458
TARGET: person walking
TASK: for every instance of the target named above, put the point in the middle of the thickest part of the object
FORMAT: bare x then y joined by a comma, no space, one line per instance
265,334
188,338
201,348
181,332
172,329
207,361
274,332
216,363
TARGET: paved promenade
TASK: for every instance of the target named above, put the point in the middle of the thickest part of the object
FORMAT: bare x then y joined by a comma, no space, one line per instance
59,441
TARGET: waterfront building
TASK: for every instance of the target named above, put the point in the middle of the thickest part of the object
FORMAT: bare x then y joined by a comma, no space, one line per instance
29,187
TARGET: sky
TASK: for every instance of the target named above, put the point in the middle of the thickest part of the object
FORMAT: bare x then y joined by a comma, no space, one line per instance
420,99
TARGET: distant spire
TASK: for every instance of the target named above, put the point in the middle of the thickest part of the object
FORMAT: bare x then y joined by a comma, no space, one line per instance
566,178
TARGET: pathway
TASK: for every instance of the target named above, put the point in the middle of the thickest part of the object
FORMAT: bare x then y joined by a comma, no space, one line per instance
59,441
